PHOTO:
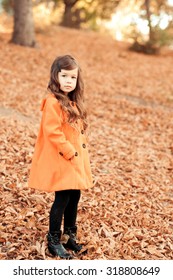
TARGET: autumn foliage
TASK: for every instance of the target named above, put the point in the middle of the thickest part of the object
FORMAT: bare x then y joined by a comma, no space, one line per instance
128,214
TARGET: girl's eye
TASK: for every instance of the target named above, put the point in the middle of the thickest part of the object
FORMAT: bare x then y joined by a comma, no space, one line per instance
73,77
63,76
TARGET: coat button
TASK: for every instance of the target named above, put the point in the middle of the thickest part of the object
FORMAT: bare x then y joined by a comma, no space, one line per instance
61,154
82,131
76,154
84,146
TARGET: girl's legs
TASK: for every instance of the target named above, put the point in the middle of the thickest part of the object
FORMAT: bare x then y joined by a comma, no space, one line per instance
56,214
66,203
70,213
57,211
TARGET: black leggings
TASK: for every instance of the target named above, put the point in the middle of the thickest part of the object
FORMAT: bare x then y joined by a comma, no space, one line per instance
66,203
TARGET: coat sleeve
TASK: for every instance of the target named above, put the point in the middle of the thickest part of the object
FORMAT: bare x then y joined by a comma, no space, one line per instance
52,123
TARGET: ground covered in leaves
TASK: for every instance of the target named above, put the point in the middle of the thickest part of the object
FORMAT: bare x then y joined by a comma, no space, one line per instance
129,212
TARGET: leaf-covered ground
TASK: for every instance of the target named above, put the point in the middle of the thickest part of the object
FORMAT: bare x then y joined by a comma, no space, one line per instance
129,212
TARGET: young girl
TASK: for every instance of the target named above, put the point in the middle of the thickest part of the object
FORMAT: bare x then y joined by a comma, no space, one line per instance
60,163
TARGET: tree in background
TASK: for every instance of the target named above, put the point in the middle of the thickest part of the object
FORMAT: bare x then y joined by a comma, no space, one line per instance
23,32
154,11
7,5
71,16
92,13
77,12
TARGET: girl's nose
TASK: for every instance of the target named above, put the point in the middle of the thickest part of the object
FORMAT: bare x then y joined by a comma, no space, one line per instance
69,80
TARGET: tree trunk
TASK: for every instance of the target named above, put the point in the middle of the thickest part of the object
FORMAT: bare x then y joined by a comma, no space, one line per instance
147,5
23,32
69,17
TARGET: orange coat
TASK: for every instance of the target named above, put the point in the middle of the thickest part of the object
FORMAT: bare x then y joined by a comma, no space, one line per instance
57,141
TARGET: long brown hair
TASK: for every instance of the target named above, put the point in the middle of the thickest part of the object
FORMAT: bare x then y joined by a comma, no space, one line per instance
67,62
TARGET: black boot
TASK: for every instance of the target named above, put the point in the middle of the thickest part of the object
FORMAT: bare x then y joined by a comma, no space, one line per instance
55,247
71,243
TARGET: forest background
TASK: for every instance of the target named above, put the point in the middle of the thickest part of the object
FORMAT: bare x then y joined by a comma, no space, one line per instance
128,72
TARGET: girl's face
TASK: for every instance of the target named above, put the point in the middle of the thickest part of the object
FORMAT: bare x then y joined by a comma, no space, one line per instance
68,79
